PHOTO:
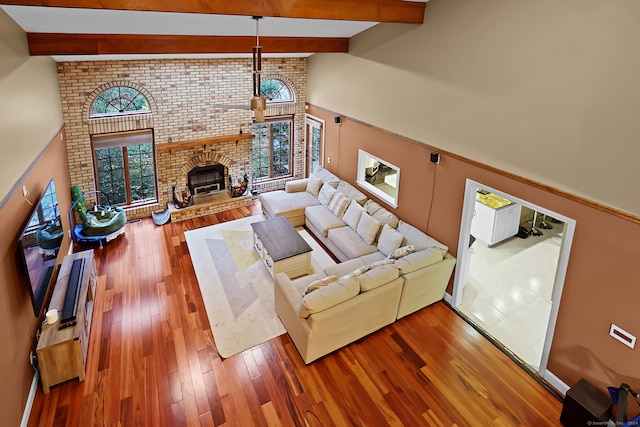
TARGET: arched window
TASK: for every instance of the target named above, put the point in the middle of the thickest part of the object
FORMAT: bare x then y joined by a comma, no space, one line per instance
275,90
119,100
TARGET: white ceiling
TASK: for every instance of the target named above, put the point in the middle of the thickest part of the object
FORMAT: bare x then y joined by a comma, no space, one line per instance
99,21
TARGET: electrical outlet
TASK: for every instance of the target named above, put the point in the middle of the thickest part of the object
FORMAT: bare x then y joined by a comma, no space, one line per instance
24,191
329,160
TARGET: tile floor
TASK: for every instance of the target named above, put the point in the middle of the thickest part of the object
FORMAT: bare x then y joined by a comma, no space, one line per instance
509,288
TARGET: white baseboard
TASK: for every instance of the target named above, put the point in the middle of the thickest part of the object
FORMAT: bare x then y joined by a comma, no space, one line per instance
32,395
447,298
555,382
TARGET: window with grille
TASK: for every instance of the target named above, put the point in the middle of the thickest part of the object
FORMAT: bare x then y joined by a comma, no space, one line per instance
119,100
125,167
272,148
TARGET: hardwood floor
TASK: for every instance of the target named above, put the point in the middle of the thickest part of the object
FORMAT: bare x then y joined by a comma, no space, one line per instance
152,361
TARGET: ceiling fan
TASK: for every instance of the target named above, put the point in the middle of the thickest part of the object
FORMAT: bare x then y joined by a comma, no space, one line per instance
258,102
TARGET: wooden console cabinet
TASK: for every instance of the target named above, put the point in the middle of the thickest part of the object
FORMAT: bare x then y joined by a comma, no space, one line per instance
62,353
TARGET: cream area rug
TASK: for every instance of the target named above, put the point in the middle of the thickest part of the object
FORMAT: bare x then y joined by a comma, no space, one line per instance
236,287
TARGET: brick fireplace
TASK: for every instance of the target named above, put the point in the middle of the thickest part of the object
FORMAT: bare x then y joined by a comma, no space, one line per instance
204,168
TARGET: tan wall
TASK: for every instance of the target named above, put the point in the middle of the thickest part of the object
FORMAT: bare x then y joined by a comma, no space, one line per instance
29,103
17,322
543,89
30,123
602,276
182,94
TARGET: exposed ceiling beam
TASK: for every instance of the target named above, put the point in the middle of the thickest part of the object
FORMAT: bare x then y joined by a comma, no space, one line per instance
124,44
399,11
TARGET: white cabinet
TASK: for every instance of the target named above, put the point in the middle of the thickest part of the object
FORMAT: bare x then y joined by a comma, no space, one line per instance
493,225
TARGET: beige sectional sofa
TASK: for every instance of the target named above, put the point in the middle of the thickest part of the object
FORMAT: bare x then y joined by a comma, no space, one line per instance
388,268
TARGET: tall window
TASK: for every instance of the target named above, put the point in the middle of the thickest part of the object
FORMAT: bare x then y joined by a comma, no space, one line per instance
119,100
272,148
275,90
125,167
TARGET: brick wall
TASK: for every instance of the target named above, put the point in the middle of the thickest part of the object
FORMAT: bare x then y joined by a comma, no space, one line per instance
182,94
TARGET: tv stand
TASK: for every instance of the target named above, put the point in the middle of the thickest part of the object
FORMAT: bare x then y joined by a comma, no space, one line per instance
62,352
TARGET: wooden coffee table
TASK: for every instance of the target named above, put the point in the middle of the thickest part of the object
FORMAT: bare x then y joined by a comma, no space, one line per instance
281,247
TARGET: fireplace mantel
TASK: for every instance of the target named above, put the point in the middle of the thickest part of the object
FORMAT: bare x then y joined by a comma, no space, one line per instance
204,141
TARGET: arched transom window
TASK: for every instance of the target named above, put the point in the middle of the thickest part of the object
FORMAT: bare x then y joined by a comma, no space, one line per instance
119,100
275,90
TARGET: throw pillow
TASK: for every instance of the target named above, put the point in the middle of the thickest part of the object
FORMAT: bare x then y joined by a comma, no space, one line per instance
389,240
368,228
380,263
403,251
381,214
313,185
325,194
326,176
351,192
352,216
338,204
317,284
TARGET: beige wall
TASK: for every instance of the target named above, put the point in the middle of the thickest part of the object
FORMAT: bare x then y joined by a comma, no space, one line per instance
545,89
32,152
18,325
30,112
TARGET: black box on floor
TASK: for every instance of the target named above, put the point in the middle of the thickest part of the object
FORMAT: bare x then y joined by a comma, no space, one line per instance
583,403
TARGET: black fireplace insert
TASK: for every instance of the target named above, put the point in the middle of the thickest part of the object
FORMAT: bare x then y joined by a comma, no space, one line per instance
206,179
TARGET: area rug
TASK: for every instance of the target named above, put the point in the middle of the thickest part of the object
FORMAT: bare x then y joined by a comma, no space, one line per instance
236,287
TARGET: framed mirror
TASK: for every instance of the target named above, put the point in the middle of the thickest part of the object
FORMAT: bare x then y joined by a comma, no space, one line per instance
378,177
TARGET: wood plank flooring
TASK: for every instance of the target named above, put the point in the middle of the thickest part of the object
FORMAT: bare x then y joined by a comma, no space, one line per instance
152,361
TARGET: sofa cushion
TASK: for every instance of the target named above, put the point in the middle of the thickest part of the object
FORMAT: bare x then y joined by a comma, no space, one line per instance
415,237
326,176
281,203
368,228
319,283
403,251
352,214
377,277
348,267
326,194
417,260
350,243
389,240
322,219
351,192
314,184
327,296
381,214
338,204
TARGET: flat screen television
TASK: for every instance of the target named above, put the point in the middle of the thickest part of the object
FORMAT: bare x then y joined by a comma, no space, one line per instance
39,244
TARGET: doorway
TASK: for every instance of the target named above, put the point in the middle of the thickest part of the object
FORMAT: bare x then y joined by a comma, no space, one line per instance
314,143
509,286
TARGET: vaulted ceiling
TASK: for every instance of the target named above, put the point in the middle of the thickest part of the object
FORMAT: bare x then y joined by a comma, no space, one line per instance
121,29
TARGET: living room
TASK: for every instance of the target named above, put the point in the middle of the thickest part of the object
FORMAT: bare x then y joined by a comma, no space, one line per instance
533,110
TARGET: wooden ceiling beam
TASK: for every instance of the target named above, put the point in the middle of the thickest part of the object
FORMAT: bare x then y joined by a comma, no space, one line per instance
130,44
398,11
